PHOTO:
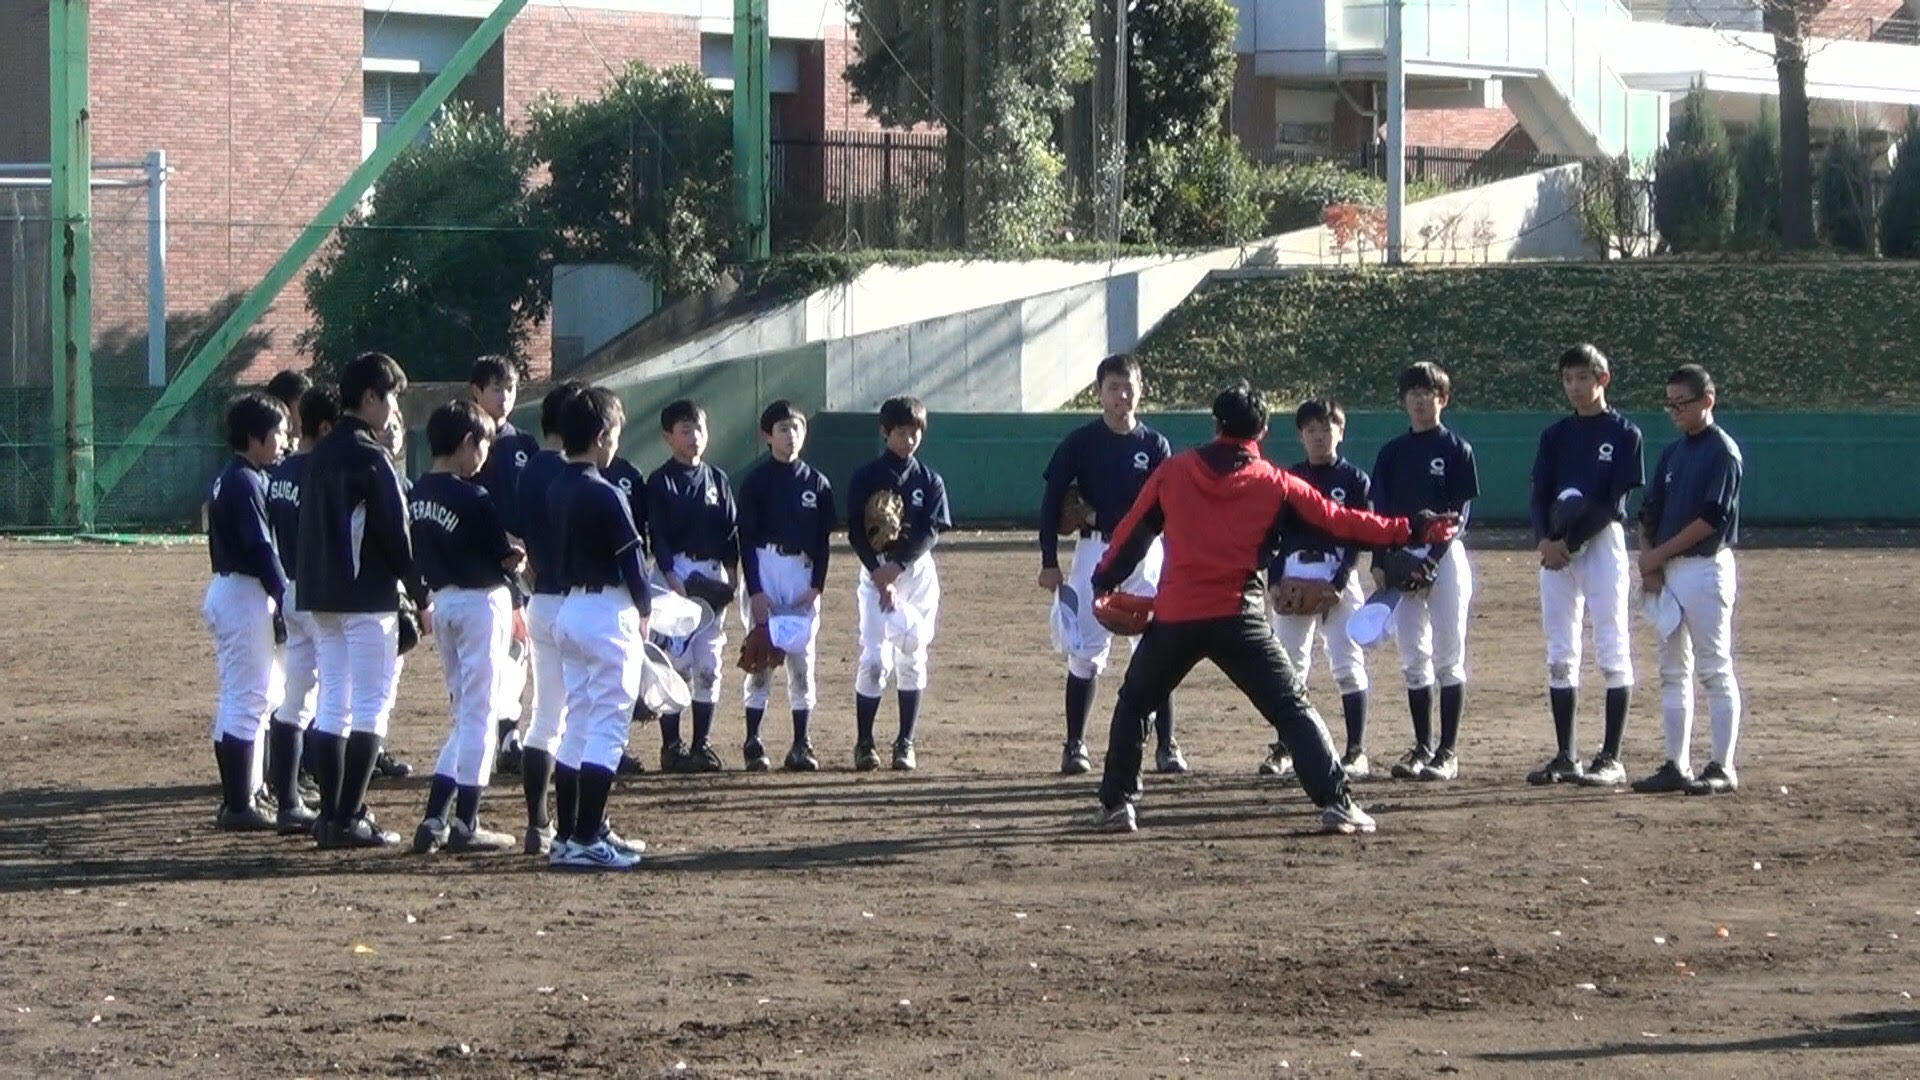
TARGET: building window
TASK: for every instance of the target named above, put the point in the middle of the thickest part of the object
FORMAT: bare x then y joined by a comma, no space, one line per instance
389,94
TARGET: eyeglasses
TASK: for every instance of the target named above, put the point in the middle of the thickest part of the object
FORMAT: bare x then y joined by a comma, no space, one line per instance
1677,407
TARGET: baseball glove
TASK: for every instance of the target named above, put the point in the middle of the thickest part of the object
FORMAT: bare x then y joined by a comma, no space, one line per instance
409,627
1305,596
1075,512
713,592
884,518
1408,572
757,653
1123,613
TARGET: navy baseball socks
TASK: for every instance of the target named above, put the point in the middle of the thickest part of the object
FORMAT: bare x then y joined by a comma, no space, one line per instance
238,813
351,825
1420,709
700,757
903,756
753,752
284,747
865,711
1618,700
1353,709
536,776
566,800
800,756
1079,707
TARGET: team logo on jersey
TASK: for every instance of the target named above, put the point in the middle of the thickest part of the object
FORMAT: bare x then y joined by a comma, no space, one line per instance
216,487
1606,452
1437,467
713,495
626,486
1338,495
810,500
519,459
919,498
1141,461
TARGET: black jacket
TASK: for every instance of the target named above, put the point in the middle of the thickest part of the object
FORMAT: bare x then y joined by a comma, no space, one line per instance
351,489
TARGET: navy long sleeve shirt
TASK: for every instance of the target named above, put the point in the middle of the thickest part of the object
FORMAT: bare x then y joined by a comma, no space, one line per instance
1601,457
690,511
919,488
239,540
1109,467
786,505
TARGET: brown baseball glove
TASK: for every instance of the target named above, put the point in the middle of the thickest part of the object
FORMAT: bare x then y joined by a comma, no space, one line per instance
1304,596
1075,512
757,653
884,518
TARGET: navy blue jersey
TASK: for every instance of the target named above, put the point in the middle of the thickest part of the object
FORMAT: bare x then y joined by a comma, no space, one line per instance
1425,470
1697,479
512,451
238,540
1110,469
1343,482
594,532
633,487
1600,456
283,507
924,494
690,512
355,554
458,537
786,505
530,511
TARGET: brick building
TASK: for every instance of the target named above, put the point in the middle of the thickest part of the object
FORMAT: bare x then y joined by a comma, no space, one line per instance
263,107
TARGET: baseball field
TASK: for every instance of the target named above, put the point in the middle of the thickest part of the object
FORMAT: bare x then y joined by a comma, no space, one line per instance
962,920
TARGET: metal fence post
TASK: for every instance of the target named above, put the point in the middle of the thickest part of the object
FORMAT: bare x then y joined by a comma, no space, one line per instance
157,268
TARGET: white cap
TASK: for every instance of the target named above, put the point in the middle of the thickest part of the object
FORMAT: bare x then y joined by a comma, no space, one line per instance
662,691
1368,626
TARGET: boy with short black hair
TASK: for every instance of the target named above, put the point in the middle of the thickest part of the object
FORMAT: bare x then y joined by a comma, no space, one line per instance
897,508
288,387
1689,524
786,524
319,408
494,385
547,723
469,562
1430,468
1107,460
691,521
1331,591
355,557
243,605
601,629
1586,465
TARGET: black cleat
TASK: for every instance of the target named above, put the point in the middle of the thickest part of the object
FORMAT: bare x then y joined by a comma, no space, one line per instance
391,767
295,820
361,832
1561,770
1412,763
251,819
865,758
704,759
1668,779
755,755
1715,779
629,766
673,758
801,759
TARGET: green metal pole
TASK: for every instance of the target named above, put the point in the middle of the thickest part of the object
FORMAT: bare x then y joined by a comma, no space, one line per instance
71,211
197,370
752,124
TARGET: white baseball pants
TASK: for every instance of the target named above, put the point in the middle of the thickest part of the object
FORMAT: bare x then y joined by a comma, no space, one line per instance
472,629
299,660
359,664
549,720
1096,644
1705,588
885,654
699,658
1596,583
600,658
1430,627
1295,634
239,615
783,578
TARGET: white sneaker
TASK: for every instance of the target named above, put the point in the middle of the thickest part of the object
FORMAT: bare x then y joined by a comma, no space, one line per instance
598,855
1119,819
634,848
1346,818
559,850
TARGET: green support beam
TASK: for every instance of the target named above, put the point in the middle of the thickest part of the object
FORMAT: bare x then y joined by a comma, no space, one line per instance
194,375
71,209
752,125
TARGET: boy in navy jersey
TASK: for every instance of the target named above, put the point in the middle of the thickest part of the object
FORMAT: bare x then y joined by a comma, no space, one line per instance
601,629
243,605
1586,465
691,520
319,408
1430,468
786,518
547,723
1314,556
1109,459
469,562
494,385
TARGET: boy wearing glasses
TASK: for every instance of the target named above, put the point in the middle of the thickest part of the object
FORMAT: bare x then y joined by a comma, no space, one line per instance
1689,522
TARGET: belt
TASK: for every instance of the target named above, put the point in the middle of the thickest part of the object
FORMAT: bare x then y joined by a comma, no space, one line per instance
591,590
1313,556
1096,534
785,549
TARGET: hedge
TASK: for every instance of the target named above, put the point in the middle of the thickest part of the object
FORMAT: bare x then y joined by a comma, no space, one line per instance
1813,336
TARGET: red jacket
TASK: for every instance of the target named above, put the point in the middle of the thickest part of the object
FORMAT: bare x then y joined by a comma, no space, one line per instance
1222,509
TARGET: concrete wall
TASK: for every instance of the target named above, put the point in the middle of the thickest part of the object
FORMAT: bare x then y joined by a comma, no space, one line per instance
593,303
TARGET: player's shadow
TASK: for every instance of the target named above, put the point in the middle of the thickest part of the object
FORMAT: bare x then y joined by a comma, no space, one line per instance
1859,1031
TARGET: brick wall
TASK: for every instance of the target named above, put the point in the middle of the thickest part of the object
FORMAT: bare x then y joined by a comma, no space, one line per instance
547,50
235,104
1464,129
1853,20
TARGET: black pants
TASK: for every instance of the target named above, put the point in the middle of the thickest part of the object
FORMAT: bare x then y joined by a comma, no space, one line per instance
1243,647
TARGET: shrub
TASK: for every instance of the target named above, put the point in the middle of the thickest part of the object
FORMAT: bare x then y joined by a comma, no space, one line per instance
1846,195
1693,184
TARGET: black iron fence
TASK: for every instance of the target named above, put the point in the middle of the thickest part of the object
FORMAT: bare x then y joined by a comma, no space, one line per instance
1448,166
872,189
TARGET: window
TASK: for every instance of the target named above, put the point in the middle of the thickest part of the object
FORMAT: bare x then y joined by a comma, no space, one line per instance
388,95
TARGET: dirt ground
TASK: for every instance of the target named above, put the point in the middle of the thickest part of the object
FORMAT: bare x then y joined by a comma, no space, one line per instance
961,920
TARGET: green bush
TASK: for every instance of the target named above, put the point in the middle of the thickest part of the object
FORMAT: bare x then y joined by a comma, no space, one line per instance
1693,183
1900,217
1846,195
1756,215
1295,194
1205,192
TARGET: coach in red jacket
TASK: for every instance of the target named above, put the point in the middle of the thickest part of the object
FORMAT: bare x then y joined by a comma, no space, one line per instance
1222,509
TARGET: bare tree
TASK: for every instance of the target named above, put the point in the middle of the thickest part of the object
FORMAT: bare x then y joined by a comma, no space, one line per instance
1787,21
